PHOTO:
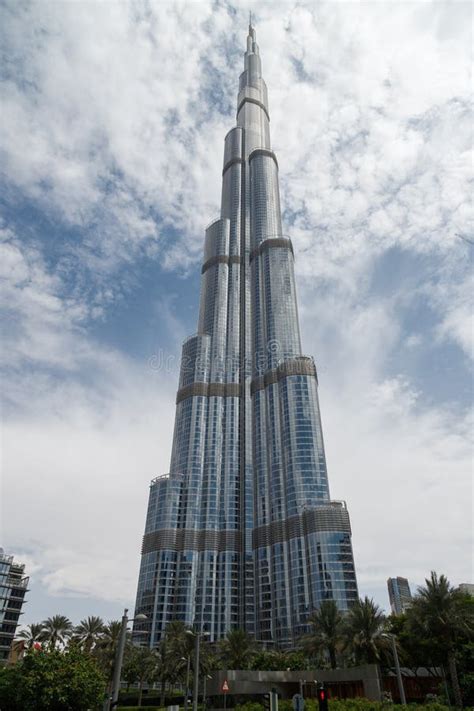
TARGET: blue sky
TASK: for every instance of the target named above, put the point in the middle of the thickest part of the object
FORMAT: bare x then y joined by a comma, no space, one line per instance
114,118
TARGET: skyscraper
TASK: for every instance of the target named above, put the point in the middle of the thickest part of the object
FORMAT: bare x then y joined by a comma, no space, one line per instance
400,594
13,586
242,531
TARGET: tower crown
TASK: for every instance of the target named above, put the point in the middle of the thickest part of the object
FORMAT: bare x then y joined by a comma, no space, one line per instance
252,74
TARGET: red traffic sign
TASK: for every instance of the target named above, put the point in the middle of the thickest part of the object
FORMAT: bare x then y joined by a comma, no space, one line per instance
225,686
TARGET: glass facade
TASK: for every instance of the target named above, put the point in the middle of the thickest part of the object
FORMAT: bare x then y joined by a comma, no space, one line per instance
13,587
400,594
242,531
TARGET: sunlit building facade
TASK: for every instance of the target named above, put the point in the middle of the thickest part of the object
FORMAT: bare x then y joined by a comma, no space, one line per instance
242,531
399,594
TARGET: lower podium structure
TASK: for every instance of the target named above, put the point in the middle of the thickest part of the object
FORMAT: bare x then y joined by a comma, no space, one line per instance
242,533
363,682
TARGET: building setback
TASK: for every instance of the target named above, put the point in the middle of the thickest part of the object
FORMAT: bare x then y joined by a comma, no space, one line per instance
242,533
13,586
400,594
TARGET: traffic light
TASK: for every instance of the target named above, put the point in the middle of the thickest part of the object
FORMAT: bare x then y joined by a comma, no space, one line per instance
270,701
273,700
322,699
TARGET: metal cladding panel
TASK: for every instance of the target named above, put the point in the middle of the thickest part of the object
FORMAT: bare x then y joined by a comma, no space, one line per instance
313,553
231,202
255,102
255,120
317,519
191,540
302,442
250,79
232,357
251,92
164,503
254,69
195,360
257,137
214,294
217,239
282,325
264,199
233,145
213,316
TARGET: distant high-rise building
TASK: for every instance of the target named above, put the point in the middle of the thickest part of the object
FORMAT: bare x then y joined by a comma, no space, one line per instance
242,532
13,586
467,588
400,594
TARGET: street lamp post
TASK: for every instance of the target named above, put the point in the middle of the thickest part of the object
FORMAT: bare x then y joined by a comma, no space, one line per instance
119,656
206,677
196,672
401,688
197,641
188,671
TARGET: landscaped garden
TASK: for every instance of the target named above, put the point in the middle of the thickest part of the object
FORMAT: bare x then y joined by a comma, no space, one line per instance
67,668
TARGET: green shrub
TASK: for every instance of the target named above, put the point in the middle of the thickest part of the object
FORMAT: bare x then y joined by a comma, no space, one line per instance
250,706
346,705
52,681
366,705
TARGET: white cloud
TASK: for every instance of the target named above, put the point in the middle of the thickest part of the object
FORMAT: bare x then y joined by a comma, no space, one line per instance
77,463
405,469
40,323
457,323
114,118
85,431
103,120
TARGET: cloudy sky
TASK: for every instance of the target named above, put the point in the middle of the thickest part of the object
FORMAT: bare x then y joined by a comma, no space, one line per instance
113,122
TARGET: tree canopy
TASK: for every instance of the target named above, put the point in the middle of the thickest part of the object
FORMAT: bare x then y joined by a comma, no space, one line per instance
52,680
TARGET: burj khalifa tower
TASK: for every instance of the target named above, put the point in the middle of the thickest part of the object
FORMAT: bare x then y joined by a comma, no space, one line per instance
242,531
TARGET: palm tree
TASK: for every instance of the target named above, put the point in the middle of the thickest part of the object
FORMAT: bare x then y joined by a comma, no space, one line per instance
56,629
171,655
180,642
364,631
106,646
31,635
148,667
237,649
326,632
110,635
130,670
442,614
88,632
